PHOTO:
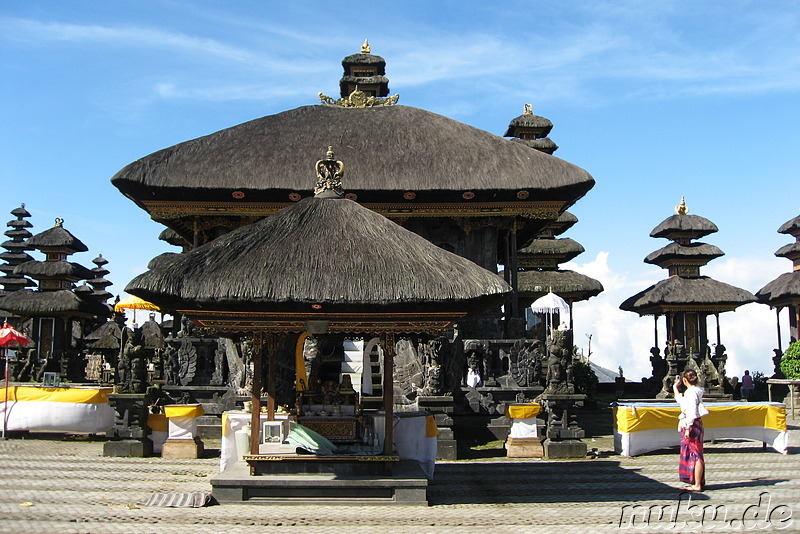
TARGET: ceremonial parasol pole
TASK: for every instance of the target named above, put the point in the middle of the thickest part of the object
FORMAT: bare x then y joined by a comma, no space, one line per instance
8,337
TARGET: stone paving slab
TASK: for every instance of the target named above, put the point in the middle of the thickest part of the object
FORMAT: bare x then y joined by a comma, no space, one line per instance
69,487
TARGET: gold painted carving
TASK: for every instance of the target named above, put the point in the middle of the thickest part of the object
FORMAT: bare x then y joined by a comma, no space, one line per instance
329,174
359,99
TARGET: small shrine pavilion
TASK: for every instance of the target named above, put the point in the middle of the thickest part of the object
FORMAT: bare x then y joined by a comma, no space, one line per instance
784,291
686,299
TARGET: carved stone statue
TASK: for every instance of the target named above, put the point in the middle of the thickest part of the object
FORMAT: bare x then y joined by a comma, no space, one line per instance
475,353
526,362
559,363
132,365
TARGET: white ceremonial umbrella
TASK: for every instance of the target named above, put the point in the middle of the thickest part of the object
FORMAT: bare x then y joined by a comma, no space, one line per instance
550,304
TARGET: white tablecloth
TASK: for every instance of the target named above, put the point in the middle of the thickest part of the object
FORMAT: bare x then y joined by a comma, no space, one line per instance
79,410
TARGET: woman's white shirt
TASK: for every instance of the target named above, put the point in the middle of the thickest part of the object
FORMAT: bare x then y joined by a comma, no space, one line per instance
690,402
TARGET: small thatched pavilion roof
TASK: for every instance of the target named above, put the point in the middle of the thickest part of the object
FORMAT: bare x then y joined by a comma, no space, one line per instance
783,291
687,294
43,303
698,253
569,285
54,269
791,227
563,248
56,237
322,258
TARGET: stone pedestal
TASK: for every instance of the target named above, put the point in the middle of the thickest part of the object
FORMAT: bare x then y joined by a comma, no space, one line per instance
182,448
563,432
524,447
129,433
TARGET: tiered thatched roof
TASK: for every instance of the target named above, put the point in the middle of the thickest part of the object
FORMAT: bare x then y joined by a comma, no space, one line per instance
61,302
687,294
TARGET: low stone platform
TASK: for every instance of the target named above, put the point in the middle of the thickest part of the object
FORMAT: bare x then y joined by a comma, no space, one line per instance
406,485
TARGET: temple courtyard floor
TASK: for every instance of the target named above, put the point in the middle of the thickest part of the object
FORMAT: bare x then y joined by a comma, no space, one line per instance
62,486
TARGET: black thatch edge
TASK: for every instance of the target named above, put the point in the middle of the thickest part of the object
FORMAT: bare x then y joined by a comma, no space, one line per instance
564,246
791,227
562,282
62,302
791,251
53,269
693,251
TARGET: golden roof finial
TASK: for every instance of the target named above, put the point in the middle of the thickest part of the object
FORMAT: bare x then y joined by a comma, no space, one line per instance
329,176
682,208
365,47
528,109
59,221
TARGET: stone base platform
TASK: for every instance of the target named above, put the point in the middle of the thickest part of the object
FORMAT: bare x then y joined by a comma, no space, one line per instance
524,447
407,485
182,448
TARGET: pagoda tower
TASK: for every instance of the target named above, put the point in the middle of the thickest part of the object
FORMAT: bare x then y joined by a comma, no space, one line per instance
687,299
59,313
784,291
15,251
99,282
365,72
532,130
540,262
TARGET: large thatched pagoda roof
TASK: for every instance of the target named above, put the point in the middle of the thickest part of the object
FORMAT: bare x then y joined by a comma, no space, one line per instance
49,303
390,151
571,286
783,291
687,294
321,258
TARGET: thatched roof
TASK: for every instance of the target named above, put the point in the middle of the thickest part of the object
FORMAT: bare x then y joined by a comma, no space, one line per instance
684,227
107,336
15,245
782,291
791,227
564,248
366,59
19,223
546,144
529,120
568,285
326,252
62,302
15,258
57,237
20,212
687,294
18,234
172,237
691,251
387,149
100,261
162,259
790,251
53,269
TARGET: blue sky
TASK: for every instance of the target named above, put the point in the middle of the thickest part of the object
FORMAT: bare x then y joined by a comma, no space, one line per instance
655,99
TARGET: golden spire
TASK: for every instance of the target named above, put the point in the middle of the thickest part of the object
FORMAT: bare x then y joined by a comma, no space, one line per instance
682,208
528,109
59,221
365,47
329,176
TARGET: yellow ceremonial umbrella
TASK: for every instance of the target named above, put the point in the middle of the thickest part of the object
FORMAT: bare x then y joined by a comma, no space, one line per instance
132,302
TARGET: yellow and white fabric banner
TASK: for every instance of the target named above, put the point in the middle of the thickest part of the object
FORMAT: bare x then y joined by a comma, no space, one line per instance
37,409
641,427
523,420
183,420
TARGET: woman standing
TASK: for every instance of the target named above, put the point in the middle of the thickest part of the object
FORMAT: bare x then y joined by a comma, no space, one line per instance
690,424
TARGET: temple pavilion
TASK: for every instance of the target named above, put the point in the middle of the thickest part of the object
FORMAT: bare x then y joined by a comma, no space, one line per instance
687,299
784,291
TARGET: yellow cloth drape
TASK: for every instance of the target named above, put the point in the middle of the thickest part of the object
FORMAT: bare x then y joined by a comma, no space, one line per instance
522,411
634,419
431,430
73,395
157,422
184,410
300,363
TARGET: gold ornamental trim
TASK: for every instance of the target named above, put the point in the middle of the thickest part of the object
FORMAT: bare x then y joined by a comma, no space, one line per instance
358,99
166,210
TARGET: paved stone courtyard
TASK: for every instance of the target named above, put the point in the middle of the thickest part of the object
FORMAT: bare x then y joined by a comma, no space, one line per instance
58,486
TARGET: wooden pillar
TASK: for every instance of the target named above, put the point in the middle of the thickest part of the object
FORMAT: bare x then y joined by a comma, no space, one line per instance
794,319
655,330
778,324
388,392
272,348
514,274
507,274
719,336
255,393
195,235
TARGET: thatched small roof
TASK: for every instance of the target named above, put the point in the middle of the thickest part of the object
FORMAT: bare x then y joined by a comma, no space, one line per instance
687,294
387,148
366,59
545,145
107,336
18,234
790,251
100,261
19,223
569,285
329,253
791,227
782,291
564,248
684,227
20,212
15,245
15,258
162,259
61,302
172,237
529,120
691,251
54,269
57,237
